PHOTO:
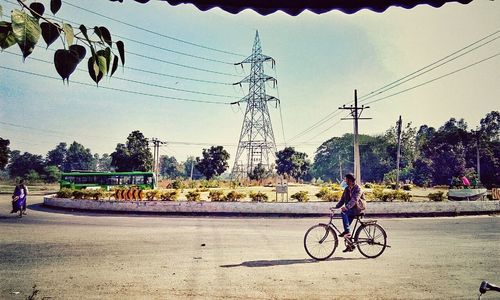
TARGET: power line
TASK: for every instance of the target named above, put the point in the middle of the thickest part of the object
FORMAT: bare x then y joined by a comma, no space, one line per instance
153,32
136,81
120,90
371,95
166,61
388,86
435,79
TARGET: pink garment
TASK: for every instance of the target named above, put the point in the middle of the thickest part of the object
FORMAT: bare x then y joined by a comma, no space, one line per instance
465,181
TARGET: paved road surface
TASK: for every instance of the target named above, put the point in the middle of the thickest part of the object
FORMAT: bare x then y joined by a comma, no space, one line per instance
90,256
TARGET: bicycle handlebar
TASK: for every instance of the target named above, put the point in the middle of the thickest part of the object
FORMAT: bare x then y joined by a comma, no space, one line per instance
485,286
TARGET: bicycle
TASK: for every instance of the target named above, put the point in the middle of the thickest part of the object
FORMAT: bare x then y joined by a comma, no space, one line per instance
486,286
321,240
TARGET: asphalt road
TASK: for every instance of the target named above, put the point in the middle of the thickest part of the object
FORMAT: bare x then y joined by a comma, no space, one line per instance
75,255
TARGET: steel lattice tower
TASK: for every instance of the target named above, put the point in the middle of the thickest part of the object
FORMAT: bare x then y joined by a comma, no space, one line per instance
257,137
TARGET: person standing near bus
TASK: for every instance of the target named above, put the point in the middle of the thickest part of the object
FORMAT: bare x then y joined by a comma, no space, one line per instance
19,198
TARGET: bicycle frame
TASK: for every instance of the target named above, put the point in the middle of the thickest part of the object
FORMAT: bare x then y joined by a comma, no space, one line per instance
331,225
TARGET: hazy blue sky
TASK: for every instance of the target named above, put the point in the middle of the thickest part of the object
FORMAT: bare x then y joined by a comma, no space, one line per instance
320,60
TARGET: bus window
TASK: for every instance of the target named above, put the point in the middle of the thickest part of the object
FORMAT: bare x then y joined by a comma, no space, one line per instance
124,180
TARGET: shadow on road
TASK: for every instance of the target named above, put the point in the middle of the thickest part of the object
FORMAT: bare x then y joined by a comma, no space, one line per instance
282,262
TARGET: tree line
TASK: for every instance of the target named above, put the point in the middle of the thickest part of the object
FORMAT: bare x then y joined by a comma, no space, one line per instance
429,156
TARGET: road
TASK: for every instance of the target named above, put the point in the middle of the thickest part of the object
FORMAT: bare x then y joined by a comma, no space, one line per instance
76,255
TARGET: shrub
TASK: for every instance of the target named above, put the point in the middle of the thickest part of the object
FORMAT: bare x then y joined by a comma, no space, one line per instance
234,196
329,195
336,187
398,194
193,196
300,196
378,192
368,185
258,197
95,194
407,187
215,196
437,196
177,184
153,195
79,194
65,193
209,183
169,195
201,190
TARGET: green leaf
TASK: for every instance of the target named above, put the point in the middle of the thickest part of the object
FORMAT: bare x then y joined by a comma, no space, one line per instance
50,32
103,65
94,71
106,35
7,38
115,65
121,51
37,9
55,5
26,30
97,31
69,33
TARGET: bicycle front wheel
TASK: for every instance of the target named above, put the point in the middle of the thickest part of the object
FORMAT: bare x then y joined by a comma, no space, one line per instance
320,241
371,240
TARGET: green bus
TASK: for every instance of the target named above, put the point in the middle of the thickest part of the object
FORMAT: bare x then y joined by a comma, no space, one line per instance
107,180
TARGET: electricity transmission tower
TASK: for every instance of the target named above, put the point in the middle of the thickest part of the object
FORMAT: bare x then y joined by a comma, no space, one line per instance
256,144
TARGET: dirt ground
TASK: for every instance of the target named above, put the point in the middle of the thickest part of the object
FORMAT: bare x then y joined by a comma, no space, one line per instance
75,255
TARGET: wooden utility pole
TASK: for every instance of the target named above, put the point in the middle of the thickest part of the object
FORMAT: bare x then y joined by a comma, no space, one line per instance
398,154
478,159
340,169
356,116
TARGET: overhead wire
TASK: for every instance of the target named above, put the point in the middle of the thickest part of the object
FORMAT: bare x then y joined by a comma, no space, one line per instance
135,81
391,85
164,60
151,31
120,90
436,78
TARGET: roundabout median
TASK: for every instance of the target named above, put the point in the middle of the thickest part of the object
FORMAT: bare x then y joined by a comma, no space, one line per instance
284,209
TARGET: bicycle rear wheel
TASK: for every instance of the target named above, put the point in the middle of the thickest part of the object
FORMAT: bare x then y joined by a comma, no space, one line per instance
320,241
371,240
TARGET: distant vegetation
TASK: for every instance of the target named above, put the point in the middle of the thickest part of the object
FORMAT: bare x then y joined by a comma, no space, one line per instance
429,157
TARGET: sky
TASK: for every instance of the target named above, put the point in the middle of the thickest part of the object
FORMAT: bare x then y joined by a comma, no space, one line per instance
320,61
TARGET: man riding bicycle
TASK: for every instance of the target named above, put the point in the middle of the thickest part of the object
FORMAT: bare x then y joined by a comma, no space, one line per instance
352,203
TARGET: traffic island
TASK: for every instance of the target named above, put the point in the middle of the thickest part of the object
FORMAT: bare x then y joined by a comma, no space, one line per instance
285,209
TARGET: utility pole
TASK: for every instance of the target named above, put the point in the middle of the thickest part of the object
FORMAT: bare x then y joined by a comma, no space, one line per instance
356,116
398,154
156,156
340,169
478,159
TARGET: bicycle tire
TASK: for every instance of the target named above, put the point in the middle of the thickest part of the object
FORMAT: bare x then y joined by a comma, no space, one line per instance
371,240
320,241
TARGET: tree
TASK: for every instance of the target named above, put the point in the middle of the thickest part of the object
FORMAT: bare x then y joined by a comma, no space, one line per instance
78,158
134,156
52,174
27,163
104,163
490,126
292,163
57,156
214,161
4,153
169,167
29,24
258,173
189,166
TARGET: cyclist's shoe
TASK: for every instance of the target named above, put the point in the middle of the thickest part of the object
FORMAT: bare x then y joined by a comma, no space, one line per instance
24,212
349,248
344,233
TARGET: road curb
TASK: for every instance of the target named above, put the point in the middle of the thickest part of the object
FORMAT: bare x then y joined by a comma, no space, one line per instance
279,209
